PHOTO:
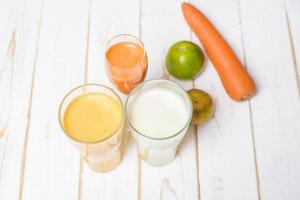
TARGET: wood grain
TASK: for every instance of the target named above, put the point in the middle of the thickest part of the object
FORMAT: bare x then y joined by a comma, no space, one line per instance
248,150
226,157
293,23
181,173
115,17
276,107
21,31
51,168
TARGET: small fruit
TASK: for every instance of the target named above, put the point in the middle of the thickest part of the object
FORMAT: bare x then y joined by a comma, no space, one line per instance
184,60
203,107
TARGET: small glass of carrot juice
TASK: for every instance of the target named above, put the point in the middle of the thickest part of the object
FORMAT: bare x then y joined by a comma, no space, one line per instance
126,61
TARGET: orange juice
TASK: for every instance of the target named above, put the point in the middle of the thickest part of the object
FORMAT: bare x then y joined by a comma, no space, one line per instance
126,64
92,117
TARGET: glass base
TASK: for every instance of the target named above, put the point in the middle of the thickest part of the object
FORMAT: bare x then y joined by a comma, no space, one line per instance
106,166
159,158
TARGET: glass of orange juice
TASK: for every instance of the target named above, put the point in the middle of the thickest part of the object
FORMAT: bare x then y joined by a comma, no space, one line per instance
126,61
92,116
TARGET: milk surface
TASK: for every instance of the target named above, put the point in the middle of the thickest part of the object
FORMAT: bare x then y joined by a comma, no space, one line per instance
159,113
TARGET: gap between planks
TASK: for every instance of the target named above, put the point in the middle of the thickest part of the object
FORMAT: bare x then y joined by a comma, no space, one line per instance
196,145
254,151
86,67
295,63
198,190
23,162
244,59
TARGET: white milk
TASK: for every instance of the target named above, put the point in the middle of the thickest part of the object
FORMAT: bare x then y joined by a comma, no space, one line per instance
159,113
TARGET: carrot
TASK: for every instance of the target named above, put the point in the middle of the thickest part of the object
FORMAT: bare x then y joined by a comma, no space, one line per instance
236,80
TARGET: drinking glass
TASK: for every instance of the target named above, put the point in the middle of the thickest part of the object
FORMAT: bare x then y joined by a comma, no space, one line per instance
157,151
103,155
126,77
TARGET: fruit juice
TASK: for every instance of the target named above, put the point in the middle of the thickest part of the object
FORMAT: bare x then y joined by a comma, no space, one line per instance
160,118
92,117
94,121
126,65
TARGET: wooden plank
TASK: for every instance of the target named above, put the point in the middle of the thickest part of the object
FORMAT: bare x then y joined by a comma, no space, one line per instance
226,158
276,107
162,25
51,166
18,68
109,18
21,33
293,23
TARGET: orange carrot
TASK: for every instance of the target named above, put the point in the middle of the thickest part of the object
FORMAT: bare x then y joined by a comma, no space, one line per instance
236,80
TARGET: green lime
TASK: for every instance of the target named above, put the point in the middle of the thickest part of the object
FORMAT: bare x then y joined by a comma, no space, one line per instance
184,60
203,107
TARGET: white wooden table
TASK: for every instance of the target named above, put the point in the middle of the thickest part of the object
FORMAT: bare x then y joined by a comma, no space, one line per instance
248,151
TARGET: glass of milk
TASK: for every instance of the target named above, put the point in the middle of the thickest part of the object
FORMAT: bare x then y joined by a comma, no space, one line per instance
159,113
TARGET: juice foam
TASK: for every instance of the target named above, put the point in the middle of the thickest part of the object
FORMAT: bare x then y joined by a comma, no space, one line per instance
92,117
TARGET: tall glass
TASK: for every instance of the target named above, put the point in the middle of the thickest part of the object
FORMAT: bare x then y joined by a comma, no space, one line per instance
126,61
105,154
159,113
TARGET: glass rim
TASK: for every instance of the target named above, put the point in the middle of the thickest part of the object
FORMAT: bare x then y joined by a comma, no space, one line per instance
79,87
129,35
157,80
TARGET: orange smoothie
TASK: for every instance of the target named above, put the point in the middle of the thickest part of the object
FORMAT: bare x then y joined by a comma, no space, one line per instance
92,117
127,65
